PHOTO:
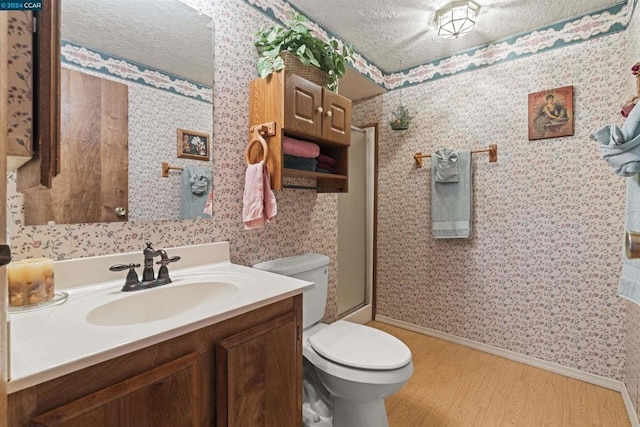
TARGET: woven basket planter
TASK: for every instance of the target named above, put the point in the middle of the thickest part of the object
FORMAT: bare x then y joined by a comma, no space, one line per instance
308,72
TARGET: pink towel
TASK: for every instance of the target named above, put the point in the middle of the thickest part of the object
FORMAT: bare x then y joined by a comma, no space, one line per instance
208,207
259,201
299,148
322,158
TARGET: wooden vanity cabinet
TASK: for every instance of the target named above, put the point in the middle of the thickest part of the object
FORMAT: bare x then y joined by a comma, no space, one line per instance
245,371
302,110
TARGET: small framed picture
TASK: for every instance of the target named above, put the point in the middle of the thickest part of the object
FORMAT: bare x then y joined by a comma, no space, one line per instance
551,113
193,145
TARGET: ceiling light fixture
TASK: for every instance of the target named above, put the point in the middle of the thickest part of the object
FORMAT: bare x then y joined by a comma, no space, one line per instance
457,19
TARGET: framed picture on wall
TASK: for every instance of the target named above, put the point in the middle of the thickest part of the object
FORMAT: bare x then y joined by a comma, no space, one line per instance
193,145
551,113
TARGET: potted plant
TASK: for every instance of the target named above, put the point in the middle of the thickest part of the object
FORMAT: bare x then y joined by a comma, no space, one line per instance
401,118
276,43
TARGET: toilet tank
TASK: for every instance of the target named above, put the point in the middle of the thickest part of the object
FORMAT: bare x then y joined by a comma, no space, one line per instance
312,268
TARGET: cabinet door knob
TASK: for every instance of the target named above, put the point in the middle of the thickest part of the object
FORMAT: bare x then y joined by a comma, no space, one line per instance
329,113
5,254
120,211
319,110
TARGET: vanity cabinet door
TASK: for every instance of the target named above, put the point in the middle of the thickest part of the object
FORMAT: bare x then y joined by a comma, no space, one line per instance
259,376
166,396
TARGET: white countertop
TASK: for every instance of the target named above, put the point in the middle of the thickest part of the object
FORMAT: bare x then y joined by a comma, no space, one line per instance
54,341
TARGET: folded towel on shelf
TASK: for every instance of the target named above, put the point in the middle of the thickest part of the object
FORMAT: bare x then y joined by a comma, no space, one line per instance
195,187
326,167
300,163
620,147
259,202
447,170
322,170
327,160
452,202
299,148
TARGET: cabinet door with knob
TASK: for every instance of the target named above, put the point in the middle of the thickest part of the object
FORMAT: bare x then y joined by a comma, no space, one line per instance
316,111
336,122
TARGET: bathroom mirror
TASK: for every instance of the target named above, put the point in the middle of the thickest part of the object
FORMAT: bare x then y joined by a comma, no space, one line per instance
132,74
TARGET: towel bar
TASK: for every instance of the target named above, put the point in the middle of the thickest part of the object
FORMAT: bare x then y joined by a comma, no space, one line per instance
166,168
318,189
492,150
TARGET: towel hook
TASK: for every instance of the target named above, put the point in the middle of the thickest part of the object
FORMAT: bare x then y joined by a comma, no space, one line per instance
256,137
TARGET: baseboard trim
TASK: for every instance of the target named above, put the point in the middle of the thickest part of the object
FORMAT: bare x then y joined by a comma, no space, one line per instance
577,374
361,315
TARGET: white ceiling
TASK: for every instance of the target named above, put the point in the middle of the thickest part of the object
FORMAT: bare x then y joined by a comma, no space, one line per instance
399,34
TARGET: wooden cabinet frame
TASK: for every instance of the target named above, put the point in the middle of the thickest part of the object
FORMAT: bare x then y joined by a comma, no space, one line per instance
41,169
307,111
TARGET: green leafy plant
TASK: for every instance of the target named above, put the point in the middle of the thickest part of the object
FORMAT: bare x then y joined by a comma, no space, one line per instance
401,118
301,42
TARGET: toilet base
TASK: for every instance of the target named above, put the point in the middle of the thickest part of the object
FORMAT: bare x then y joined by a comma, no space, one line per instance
347,413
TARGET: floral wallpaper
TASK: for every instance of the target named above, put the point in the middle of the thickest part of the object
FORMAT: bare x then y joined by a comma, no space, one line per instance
632,333
154,117
539,274
20,73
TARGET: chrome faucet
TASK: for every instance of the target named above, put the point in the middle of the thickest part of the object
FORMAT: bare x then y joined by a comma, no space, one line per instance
148,275
149,253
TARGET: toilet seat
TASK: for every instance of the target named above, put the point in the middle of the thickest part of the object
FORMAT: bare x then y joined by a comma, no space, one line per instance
360,347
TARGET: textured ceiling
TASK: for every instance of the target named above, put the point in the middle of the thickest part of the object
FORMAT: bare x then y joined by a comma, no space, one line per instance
399,34
162,34
392,34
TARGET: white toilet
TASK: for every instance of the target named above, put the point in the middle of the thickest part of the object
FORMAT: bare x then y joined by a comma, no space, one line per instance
349,369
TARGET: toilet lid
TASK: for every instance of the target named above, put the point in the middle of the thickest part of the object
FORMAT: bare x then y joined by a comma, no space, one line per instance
360,346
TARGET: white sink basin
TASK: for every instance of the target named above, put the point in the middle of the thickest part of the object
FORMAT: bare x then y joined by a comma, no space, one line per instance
160,303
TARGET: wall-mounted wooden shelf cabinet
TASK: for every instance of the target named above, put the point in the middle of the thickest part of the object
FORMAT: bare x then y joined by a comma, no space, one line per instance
302,110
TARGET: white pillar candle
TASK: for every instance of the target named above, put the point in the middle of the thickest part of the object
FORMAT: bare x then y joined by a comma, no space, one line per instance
30,281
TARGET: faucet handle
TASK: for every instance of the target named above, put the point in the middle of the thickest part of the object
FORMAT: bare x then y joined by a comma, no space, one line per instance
122,267
163,271
167,261
131,282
